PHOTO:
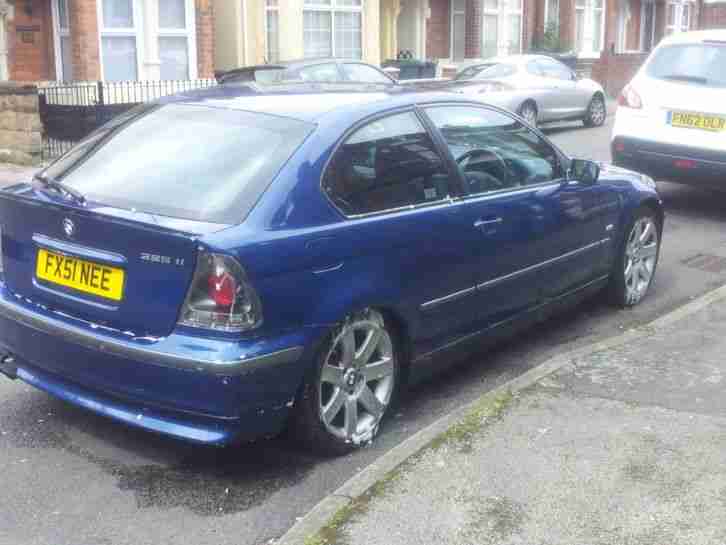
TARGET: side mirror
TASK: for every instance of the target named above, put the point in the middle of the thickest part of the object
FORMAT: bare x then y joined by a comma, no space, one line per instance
584,171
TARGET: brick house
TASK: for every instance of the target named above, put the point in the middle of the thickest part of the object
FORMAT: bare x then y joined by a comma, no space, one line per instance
110,40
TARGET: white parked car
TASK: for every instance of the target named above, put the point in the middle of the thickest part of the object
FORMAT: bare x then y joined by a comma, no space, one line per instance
538,88
671,118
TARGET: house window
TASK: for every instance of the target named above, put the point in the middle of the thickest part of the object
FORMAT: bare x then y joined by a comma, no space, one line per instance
501,27
63,50
589,21
333,28
552,13
118,26
678,17
175,39
272,30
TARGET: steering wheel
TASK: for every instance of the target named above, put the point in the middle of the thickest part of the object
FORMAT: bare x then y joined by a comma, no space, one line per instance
498,179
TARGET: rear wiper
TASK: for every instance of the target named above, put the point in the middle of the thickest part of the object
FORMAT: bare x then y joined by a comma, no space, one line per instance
692,79
52,183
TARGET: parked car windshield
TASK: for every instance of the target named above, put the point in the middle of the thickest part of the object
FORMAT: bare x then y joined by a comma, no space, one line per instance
700,64
185,161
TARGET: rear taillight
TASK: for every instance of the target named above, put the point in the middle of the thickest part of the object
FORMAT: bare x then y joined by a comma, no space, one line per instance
221,296
630,98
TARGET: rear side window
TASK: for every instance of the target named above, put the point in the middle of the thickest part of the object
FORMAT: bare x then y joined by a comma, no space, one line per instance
501,70
388,164
184,161
699,64
365,74
320,72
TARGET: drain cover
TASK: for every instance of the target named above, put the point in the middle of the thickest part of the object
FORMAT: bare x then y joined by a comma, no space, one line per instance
706,262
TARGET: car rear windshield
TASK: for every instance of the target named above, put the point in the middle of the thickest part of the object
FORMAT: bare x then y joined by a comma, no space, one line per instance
501,70
185,161
698,64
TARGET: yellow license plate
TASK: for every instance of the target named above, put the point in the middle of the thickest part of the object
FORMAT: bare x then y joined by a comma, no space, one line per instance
81,275
704,122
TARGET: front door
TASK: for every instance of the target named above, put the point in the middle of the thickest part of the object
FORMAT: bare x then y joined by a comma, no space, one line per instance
511,176
396,190
501,28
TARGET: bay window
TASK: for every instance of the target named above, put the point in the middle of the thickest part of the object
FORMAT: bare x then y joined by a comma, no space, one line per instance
333,28
501,27
128,28
175,39
63,48
272,31
678,17
589,27
119,26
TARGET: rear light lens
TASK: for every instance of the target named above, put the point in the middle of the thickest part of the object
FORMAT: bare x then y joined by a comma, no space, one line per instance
630,98
221,296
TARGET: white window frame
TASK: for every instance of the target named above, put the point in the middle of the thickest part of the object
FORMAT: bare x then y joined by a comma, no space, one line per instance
58,33
189,32
503,12
272,9
588,8
453,13
333,8
678,26
136,32
547,13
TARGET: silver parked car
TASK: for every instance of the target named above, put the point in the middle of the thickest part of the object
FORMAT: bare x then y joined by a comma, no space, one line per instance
539,88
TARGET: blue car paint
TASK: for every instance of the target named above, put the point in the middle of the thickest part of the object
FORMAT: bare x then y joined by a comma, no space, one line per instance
311,266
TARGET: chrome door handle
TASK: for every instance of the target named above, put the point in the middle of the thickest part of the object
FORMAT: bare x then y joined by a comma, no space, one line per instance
482,223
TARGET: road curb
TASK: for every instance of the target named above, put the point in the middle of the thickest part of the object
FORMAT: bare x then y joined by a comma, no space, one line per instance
359,484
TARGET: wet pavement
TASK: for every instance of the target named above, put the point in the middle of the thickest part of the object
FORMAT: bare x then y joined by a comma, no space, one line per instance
75,478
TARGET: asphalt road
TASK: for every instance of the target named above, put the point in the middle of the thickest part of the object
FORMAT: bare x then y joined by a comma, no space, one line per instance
69,477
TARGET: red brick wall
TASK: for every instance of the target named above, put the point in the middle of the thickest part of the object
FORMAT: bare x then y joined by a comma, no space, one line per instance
614,72
84,40
473,29
205,38
30,42
713,15
438,40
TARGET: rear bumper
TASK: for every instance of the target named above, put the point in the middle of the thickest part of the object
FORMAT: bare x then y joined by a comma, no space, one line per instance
207,390
669,162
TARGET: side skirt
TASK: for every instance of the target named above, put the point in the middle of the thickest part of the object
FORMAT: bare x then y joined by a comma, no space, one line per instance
430,363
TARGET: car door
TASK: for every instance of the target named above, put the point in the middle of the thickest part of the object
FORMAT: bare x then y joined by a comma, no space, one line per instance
395,189
534,225
564,97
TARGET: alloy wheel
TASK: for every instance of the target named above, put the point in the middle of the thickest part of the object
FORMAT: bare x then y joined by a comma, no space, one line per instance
529,114
597,112
641,254
357,379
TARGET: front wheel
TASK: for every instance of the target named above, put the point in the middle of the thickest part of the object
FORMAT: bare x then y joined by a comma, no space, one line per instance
637,260
596,112
352,387
528,112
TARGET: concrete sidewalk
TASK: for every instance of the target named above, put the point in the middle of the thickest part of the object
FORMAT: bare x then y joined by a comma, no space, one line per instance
622,446
12,174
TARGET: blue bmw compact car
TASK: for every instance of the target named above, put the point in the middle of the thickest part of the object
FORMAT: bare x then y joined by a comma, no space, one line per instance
219,265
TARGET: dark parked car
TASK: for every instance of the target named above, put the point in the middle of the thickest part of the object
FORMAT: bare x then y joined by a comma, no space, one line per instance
319,70
214,265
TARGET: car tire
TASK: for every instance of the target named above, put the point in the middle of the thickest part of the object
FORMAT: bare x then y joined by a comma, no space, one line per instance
528,111
596,112
637,259
351,387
